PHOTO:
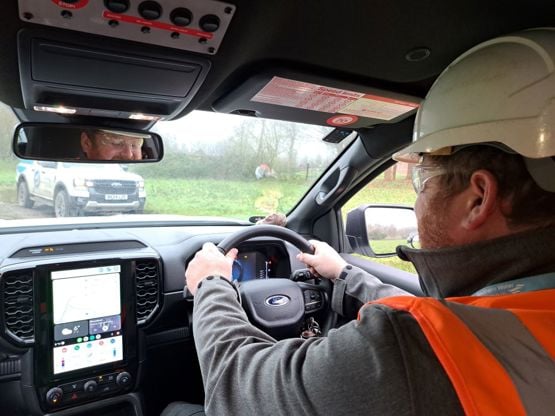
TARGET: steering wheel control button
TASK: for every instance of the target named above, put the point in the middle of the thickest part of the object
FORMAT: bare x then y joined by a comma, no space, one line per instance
301,275
312,300
150,10
117,6
54,396
123,379
90,386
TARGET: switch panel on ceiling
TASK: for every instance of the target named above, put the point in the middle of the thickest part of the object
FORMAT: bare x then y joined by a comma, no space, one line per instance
192,25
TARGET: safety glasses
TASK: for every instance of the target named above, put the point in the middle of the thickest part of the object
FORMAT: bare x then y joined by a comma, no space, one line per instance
421,174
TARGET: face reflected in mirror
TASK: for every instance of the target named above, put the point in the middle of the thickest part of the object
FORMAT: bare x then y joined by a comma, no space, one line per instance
111,145
86,143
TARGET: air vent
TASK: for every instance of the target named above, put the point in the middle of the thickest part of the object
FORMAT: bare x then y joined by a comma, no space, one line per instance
147,280
17,289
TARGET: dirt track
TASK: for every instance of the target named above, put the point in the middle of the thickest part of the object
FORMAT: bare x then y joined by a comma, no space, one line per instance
9,211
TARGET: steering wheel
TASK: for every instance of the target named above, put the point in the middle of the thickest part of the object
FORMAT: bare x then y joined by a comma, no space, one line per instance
278,306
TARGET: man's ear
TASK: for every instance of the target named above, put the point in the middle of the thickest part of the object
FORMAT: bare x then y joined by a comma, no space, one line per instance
85,142
481,199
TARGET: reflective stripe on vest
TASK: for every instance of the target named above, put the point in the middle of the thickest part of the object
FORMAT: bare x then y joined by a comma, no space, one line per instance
498,351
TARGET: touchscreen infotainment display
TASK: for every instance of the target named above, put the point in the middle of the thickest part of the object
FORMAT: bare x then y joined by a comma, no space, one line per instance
86,314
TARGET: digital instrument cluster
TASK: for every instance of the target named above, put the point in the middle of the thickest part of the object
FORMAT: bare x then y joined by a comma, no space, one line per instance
260,262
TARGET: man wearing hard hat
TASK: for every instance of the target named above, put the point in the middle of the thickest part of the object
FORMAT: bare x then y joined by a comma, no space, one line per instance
112,145
483,341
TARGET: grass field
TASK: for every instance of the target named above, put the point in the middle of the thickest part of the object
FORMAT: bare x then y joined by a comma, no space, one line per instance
225,198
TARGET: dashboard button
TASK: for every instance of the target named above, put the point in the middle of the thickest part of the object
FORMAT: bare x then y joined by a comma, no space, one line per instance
108,387
107,378
71,387
90,386
74,397
123,379
54,395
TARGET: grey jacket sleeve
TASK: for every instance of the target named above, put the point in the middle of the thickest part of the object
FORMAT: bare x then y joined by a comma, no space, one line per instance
356,368
355,287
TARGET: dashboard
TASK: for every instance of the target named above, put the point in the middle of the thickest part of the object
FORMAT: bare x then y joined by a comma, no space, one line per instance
81,309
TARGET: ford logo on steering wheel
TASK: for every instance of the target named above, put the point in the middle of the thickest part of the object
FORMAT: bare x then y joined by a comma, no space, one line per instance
277,300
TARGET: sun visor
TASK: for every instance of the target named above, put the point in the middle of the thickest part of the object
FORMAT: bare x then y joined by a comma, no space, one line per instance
306,98
107,81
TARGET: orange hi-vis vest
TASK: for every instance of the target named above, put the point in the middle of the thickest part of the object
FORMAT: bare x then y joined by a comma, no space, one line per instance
498,351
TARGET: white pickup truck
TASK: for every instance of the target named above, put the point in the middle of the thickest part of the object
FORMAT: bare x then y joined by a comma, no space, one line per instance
92,188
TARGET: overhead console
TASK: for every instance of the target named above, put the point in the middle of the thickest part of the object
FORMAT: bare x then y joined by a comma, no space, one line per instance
108,80
115,78
191,25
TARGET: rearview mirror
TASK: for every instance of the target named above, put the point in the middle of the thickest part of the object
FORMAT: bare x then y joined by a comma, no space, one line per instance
60,142
376,230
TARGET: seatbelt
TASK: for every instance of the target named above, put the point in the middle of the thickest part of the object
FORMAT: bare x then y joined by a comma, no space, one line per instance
525,284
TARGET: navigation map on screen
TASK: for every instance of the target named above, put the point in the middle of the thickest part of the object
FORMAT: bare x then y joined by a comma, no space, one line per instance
86,317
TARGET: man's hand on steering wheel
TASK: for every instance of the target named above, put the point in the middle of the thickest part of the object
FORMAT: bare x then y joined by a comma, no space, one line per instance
325,262
279,306
209,261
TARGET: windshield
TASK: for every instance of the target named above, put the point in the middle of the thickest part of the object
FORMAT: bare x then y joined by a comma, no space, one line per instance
215,165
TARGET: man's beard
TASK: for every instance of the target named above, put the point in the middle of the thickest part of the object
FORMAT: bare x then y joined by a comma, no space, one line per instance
433,224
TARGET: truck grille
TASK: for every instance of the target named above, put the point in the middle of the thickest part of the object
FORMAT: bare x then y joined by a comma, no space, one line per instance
110,186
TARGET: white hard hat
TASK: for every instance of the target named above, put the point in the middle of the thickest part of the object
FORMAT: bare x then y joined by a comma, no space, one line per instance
131,135
501,91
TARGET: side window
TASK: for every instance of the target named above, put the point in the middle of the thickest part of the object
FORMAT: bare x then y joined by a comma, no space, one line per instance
393,186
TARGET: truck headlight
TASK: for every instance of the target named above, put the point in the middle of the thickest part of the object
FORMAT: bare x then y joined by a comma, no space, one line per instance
141,184
82,183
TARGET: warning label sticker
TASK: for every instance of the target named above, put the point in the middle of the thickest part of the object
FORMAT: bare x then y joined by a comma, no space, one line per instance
304,95
297,94
382,108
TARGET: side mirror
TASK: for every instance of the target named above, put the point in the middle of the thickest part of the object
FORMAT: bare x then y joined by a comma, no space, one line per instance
85,143
376,230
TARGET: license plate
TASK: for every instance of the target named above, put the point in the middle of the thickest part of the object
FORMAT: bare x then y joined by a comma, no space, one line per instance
115,197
